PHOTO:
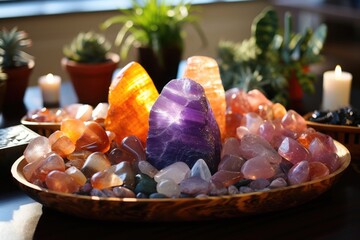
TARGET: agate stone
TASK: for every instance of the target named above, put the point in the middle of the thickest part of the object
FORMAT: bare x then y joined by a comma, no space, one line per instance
182,127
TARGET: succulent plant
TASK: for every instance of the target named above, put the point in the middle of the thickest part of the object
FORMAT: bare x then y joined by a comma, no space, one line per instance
12,44
88,47
270,56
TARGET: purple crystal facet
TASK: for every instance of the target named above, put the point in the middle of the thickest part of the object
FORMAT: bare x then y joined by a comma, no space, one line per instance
182,127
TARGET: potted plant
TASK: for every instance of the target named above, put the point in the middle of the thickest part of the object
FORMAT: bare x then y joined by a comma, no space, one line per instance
155,29
90,65
16,64
274,59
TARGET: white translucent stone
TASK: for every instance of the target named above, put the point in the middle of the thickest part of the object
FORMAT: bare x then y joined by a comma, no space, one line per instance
100,111
148,169
176,172
168,187
77,175
201,169
37,149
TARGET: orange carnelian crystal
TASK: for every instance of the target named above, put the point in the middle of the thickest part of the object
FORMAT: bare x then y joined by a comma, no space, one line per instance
131,97
205,71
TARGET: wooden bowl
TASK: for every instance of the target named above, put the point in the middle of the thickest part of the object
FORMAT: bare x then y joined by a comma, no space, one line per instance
347,135
180,209
42,128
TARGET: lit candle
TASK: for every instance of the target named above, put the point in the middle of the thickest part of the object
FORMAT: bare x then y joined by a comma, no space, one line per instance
336,89
50,89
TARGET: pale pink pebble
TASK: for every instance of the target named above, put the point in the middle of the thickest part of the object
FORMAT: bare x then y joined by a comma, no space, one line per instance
320,153
168,187
39,169
148,169
75,173
255,98
242,131
177,172
227,178
267,131
252,145
105,179
318,170
293,151
299,173
37,149
257,167
294,122
231,146
252,122
100,111
231,163
61,182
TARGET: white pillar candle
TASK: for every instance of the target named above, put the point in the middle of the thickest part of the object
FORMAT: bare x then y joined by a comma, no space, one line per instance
336,89
50,89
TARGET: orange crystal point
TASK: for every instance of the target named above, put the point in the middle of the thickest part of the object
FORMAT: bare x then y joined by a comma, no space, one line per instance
131,96
205,71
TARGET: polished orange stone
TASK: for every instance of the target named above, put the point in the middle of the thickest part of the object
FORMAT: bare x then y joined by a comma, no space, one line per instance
205,71
131,96
93,138
73,128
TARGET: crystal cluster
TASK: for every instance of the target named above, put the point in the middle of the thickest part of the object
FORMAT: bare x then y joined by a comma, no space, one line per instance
266,146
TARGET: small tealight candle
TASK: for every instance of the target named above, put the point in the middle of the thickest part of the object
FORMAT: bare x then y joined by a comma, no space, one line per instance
336,89
50,89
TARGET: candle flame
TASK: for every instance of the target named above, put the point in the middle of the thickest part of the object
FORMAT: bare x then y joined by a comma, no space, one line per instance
338,71
50,77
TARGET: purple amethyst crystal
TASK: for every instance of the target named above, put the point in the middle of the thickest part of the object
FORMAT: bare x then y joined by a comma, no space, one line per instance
182,127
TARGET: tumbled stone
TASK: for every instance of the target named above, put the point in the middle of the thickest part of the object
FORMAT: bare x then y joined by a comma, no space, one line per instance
256,98
77,158
252,122
73,128
294,121
105,179
232,190
318,170
117,155
259,184
200,169
148,169
37,149
61,182
258,167
217,188
177,172
77,175
123,192
194,186
252,145
124,170
95,162
231,163
227,178
233,121
320,153
231,146
93,138
293,151
168,187
100,111
182,127
299,173
133,145
278,183
145,184
61,144
237,101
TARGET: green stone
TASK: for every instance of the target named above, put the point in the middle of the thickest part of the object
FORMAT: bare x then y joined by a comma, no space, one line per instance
145,184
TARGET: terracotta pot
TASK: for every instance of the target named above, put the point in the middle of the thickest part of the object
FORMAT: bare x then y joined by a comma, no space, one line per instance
91,81
161,72
16,83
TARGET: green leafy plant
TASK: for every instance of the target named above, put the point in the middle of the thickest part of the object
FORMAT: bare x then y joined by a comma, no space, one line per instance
271,56
154,24
88,47
12,44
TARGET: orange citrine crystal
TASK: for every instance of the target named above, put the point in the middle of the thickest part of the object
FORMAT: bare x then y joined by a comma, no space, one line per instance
131,96
205,71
